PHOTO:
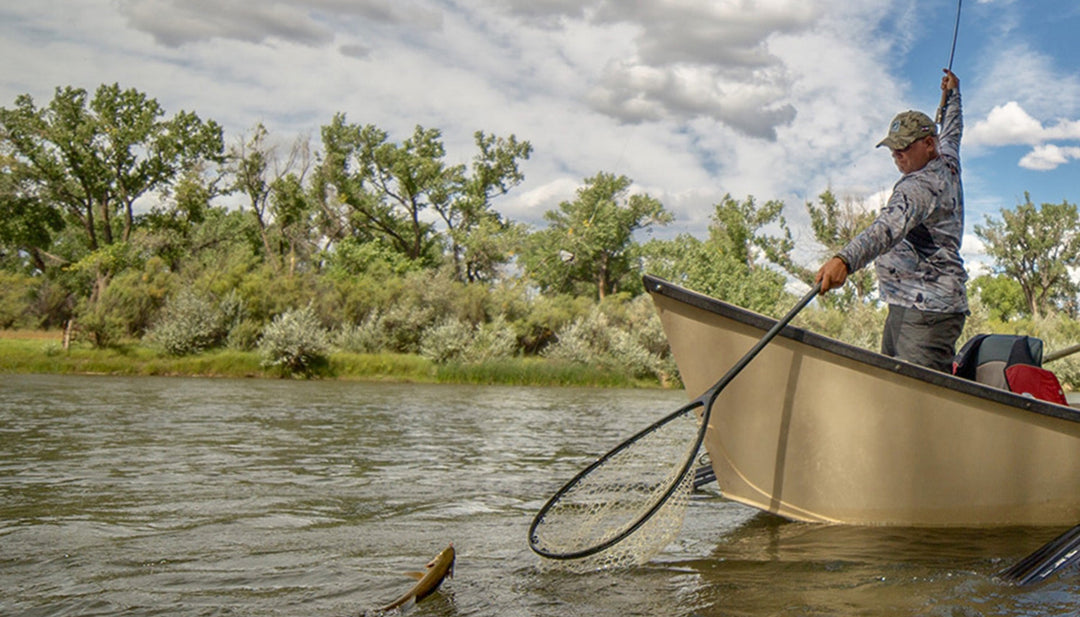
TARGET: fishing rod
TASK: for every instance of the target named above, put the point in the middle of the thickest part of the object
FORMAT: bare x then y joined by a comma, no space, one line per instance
952,54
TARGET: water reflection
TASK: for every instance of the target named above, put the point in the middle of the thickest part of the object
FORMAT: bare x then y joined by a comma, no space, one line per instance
197,497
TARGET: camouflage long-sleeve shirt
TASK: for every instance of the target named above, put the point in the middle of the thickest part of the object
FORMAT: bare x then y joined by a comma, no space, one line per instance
915,240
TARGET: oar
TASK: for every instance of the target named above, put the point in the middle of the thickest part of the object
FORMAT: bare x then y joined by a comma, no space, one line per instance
1056,554
1061,353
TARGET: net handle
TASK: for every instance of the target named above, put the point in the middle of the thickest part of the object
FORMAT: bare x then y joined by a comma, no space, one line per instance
706,400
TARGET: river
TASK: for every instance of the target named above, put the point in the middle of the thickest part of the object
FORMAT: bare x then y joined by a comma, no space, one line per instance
173,496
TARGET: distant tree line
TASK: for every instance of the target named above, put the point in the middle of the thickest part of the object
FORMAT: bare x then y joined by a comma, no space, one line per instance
122,223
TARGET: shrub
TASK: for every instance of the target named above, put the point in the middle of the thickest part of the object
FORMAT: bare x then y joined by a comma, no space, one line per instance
456,341
447,342
492,341
364,337
189,324
244,336
295,343
593,341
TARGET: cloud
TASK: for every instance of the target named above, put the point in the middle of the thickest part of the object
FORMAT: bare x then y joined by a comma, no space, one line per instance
689,59
1009,125
636,92
1049,156
1006,124
308,22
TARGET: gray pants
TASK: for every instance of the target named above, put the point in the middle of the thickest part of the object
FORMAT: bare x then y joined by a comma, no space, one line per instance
922,337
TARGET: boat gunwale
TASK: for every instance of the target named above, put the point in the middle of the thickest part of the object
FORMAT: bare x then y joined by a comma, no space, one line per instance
657,285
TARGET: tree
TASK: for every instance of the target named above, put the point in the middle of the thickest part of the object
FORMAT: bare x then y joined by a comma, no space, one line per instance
27,227
834,226
480,238
91,160
385,187
1037,247
373,189
588,241
276,196
705,267
1002,296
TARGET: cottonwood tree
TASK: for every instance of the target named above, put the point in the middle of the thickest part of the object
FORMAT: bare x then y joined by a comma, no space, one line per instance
86,161
374,189
704,266
274,188
480,239
1039,248
587,246
1002,296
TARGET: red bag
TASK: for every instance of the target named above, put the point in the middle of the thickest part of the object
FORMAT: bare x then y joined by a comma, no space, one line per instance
1035,381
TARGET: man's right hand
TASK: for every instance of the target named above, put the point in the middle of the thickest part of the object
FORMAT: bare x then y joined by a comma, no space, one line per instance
950,81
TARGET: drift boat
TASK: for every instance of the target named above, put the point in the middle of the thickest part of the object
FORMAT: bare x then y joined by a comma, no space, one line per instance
817,430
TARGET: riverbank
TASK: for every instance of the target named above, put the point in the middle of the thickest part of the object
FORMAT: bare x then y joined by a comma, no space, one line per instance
43,353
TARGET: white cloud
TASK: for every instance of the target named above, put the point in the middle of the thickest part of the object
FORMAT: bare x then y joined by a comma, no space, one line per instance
1006,124
1049,156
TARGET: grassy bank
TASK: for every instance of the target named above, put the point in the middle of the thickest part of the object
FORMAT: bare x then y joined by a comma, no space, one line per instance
42,352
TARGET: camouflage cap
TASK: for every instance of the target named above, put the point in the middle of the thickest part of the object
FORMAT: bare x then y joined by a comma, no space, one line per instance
907,128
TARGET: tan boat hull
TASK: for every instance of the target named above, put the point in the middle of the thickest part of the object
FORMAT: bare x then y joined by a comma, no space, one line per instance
815,430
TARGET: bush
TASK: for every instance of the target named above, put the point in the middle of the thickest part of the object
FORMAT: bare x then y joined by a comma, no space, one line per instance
189,324
244,336
456,341
593,341
446,342
364,337
492,341
295,343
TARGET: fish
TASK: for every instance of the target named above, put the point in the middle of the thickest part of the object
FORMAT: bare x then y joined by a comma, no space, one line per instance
437,570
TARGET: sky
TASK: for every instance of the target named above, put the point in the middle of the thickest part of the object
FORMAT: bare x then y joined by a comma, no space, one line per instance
690,99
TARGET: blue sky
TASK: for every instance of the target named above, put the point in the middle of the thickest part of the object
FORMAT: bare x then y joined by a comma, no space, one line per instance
692,99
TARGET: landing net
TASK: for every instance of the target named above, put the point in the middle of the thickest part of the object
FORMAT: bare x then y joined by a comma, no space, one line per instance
626,507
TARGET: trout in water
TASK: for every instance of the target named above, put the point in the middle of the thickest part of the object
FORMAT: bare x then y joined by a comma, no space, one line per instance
437,570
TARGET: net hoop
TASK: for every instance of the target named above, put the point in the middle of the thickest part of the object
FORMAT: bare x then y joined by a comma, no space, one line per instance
534,541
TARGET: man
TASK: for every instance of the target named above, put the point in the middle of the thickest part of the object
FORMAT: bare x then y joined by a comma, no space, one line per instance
915,240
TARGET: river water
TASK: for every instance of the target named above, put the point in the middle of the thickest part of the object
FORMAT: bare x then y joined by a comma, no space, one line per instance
169,496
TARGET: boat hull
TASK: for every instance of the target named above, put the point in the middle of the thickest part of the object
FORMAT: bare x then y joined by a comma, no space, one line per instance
816,430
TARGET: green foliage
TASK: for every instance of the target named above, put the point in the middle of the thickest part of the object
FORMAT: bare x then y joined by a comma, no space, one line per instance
588,244
544,315
351,257
53,304
244,336
860,324
480,239
1037,247
91,159
364,337
16,292
704,267
295,343
1002,296
99,325
399,250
